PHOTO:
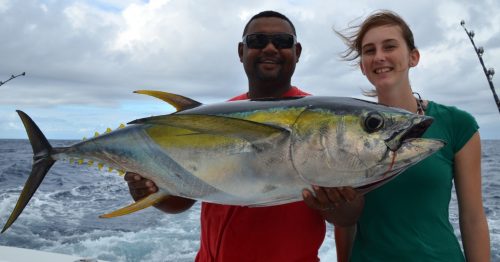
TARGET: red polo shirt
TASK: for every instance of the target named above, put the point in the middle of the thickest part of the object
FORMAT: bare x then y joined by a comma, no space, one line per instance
290,232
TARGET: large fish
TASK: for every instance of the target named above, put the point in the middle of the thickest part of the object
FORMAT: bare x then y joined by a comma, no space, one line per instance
251,153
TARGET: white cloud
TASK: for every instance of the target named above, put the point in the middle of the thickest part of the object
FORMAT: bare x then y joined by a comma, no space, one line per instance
84,58
4,5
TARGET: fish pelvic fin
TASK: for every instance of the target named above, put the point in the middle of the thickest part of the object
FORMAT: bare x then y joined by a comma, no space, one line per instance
139,205
42,162
179,102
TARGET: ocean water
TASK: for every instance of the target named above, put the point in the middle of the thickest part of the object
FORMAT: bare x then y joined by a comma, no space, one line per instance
63,215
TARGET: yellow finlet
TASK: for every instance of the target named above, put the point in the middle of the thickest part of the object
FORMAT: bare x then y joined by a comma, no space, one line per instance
96,134
90,163
110,169
80,161
121,126
84,138
121,172
108,130
139,205
100,166
71,160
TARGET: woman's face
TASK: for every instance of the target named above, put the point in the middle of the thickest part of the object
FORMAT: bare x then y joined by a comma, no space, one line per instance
386,58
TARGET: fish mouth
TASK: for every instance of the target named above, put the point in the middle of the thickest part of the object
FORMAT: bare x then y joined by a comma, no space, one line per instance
412,151
390,174
419,125
419,129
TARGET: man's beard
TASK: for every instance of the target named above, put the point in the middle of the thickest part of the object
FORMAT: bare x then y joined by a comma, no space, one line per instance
267,74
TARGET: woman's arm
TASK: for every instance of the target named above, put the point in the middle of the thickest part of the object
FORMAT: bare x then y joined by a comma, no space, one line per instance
473,224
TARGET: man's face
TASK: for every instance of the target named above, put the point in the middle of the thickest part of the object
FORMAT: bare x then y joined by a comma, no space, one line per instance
269,63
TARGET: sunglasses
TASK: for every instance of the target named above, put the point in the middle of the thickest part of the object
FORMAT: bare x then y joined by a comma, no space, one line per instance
259,41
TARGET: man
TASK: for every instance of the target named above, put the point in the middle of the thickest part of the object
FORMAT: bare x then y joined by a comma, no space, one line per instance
291,232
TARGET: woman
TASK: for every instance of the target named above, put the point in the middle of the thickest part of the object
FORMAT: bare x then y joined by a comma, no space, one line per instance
407,219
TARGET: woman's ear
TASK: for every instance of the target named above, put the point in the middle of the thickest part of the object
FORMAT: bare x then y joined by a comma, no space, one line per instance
362,68
414,57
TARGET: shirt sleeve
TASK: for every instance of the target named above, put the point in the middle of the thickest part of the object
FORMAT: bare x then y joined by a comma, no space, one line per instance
465,126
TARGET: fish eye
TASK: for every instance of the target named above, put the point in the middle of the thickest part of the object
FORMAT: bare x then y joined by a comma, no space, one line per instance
373,122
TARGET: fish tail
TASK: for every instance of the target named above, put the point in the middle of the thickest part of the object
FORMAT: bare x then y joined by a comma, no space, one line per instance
42,162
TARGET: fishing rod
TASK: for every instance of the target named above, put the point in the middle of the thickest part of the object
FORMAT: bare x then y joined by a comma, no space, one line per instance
12,77
490,72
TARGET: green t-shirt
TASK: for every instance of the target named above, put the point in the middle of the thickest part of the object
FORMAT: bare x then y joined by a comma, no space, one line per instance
407,219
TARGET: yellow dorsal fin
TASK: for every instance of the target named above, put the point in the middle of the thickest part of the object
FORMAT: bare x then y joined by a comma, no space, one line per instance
121,125
108,130
177,101
100,166
139,205
96,134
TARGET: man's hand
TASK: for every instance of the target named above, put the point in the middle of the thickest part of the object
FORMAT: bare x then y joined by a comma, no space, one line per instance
340,206
141,187
138,186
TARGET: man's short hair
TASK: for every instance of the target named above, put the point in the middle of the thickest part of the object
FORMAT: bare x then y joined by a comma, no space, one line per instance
266,14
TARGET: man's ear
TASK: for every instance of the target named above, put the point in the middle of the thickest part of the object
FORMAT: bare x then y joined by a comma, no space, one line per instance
298,51
240,51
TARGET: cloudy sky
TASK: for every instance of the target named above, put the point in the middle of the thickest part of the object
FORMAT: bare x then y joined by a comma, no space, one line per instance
83,59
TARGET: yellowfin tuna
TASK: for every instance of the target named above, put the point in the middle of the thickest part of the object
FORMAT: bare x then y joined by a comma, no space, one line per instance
250,153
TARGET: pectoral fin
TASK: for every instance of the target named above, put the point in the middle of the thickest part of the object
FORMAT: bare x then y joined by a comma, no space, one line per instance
219,125
179,102
139,205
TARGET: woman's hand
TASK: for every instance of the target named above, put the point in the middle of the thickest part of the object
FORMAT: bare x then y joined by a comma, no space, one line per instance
341,206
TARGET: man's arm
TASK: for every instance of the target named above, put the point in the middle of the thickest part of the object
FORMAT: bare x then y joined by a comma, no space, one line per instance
344,240
342,207
140,187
